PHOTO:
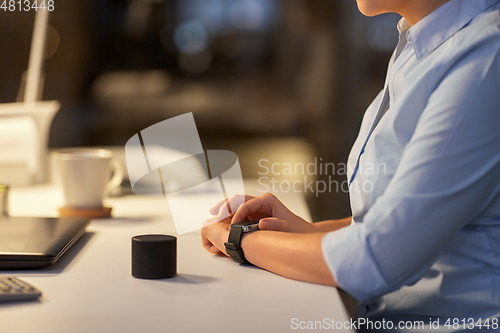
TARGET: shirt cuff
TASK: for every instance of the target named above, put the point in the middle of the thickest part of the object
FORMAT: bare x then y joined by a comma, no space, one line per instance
348,257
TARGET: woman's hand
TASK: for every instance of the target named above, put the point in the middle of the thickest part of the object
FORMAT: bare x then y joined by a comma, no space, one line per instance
296,254
267,209
215,235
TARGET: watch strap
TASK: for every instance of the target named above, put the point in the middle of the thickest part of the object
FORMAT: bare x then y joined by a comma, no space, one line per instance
235,236
233,246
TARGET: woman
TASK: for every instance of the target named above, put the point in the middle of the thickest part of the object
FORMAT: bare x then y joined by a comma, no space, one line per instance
425,242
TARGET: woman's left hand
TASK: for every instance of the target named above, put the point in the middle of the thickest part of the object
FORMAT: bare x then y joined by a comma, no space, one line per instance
215,235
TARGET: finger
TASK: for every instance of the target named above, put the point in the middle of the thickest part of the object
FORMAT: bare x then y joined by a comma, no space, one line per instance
223,212
207,244
215,209
261,205
212,249
272,224
237,200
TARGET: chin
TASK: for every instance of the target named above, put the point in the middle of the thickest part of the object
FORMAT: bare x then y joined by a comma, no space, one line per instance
371,7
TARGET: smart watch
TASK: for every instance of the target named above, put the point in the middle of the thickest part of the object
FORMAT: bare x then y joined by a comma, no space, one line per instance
232,245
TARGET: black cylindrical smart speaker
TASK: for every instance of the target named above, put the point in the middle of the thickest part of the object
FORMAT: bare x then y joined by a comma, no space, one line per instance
154,256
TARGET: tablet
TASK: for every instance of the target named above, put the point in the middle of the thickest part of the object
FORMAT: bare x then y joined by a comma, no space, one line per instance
31,242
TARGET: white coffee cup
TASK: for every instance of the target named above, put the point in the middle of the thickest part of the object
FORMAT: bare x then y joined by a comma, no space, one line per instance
85,175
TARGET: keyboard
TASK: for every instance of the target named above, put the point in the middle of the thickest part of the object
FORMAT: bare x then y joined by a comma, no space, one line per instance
14,289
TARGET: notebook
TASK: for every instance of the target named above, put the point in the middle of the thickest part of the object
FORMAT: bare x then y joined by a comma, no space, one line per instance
31,242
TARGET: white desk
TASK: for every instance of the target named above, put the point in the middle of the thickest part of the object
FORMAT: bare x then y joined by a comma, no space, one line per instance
90,289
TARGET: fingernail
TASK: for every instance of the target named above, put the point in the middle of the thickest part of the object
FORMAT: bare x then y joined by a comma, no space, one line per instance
263,224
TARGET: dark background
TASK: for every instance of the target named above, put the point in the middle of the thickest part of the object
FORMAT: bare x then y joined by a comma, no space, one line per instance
285,80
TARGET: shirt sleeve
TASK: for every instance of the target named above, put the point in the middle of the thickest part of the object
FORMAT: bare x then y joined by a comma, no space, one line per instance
448,173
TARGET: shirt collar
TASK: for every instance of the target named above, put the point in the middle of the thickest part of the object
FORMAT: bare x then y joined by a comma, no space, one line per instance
434,29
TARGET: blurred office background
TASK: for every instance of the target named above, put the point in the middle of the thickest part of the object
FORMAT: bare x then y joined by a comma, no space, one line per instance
283,80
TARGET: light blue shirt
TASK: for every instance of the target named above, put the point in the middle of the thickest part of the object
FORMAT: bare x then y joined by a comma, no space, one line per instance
425,195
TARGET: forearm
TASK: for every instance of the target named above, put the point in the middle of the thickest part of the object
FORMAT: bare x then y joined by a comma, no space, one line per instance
331,225
296,256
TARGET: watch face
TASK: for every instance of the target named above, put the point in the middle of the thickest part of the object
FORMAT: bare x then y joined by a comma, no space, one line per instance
242,223
246,226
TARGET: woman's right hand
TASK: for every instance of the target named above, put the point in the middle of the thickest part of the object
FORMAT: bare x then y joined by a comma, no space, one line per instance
271,213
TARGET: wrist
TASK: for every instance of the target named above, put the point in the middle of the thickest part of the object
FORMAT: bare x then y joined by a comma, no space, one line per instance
236,234
312,227
223,239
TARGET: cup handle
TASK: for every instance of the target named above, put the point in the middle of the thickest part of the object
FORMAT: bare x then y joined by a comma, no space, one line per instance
118,173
